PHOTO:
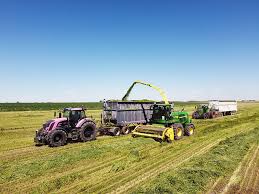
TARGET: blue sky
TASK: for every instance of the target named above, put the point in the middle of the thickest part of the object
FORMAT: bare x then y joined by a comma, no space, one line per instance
57,50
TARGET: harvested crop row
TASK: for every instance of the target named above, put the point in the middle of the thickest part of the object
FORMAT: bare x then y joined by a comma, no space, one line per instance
194,177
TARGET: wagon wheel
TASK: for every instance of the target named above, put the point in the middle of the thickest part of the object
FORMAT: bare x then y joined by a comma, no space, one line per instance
125,130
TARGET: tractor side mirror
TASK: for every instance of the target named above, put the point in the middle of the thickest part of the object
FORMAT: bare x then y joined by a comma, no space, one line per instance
59,115
182,109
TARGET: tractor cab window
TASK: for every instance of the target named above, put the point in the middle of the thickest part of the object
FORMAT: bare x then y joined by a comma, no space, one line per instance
66,113
75,115
82,115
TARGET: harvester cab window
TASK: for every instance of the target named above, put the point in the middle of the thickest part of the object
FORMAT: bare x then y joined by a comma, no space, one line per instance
161,111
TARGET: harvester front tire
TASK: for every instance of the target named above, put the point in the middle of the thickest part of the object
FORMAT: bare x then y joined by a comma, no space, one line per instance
178,131
57,138
87,132
189,129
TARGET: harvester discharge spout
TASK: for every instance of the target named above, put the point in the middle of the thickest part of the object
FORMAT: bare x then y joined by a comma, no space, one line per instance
161,92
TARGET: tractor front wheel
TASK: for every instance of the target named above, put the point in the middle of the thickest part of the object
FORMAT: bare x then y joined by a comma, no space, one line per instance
195,115
189,129
87,132
57,138
178,131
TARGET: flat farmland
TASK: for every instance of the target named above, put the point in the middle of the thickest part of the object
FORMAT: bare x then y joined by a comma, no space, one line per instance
222,157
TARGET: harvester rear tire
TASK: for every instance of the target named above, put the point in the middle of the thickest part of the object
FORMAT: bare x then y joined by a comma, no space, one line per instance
57,138
189,129
178,131
87,132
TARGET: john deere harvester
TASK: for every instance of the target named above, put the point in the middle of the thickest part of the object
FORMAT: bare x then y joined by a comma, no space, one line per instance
165,124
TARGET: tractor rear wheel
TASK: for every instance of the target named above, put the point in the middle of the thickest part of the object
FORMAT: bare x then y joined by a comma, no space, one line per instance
57,138
87,132
178,131
189,129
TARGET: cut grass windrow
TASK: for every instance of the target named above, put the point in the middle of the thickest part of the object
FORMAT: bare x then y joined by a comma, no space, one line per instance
194,176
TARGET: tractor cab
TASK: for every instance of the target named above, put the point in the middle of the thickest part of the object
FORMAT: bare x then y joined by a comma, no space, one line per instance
74,115
202,108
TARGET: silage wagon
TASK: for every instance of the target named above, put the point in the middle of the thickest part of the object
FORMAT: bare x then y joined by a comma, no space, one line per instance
121,117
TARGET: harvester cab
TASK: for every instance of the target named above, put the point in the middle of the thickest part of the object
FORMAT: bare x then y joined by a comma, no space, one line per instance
161,113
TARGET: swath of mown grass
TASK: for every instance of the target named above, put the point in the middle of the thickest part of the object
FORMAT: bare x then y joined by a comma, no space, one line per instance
193,177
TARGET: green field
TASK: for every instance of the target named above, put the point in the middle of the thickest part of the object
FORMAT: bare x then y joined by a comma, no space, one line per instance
7,107
223,156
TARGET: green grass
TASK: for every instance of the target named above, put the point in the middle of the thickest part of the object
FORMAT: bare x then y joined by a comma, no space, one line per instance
111,163
193,177
6,107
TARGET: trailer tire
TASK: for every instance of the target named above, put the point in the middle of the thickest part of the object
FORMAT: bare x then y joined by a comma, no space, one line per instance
57,138
189,129
178,131
116,131
219,114
87,132
126,130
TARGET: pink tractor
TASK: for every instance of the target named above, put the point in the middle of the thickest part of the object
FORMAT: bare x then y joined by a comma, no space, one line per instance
73,126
